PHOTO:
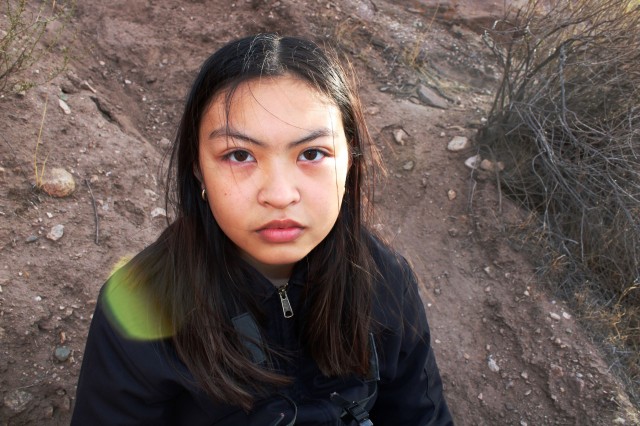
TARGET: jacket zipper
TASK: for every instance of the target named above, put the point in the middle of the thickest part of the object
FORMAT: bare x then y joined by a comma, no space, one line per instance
284,300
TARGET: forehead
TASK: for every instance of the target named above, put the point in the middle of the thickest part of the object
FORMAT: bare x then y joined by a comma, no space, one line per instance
270,94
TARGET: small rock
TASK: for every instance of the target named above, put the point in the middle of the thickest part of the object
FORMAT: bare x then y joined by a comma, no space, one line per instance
480,397
430,98
65,405
457,31
451,194
409,165
566,315
619,421
554,316
398,136
58,183
48,412
557,370
158,212
56,232
62,353
490,166
473,162
453,232
458,143
466,356
164,142
17,400
31,239
524,375
65,108
493,366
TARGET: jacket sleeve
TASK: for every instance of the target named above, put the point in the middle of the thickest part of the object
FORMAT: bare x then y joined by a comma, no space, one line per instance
122,381
410,388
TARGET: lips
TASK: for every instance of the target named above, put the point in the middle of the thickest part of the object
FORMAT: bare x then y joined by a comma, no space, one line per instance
280,231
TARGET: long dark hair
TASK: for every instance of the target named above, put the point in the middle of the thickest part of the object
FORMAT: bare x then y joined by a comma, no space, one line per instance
193,271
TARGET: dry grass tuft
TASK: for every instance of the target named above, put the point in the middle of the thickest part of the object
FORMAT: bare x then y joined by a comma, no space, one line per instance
566,123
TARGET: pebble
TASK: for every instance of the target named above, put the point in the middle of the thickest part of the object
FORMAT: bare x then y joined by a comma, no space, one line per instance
619,421
17,400
62,353
65,108
58,183
566,316
56,232
493,365
480,397
451,194
409,165
458,143
65,405
399,135
158,212
490,166
164,142
524,375
31,239
473,162
554,316
48,412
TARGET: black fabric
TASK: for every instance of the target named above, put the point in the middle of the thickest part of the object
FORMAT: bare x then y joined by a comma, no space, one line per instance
126,382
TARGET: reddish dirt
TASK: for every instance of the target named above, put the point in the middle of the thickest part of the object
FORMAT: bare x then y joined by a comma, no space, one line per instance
486,306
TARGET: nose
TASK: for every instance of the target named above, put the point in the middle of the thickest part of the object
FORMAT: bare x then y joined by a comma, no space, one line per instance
278,188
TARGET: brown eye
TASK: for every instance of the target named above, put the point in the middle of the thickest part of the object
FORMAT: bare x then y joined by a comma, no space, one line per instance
240,156
311,155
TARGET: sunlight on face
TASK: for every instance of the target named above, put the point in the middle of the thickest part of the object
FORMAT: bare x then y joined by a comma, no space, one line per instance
274,169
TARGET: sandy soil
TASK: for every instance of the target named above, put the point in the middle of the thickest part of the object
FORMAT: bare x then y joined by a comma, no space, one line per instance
508,352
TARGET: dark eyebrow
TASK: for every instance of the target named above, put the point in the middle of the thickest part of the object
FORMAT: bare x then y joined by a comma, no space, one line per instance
319,133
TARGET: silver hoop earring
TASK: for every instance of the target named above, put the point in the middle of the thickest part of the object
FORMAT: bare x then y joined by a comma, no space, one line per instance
204,194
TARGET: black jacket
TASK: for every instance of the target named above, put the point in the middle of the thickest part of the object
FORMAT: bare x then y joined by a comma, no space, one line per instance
129,382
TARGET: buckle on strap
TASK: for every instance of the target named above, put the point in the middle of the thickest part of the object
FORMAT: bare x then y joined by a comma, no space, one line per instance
353,410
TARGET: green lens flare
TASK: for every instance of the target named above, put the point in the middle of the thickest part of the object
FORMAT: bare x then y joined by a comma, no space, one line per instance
133,310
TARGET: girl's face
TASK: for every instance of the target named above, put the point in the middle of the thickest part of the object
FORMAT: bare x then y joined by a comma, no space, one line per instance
274,169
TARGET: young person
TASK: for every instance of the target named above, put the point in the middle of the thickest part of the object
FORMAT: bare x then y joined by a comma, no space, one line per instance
267,301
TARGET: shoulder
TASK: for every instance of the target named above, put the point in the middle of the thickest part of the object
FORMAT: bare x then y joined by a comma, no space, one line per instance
392,268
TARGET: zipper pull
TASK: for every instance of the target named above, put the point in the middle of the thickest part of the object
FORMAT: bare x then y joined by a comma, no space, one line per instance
284,299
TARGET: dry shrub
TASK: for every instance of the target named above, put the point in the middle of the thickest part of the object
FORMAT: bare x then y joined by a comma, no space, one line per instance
566,123
30,34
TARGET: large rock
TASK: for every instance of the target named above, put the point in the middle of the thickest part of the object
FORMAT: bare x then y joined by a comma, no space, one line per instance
429,97
58,183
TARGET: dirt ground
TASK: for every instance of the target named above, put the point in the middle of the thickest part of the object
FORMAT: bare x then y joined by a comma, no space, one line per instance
508,352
